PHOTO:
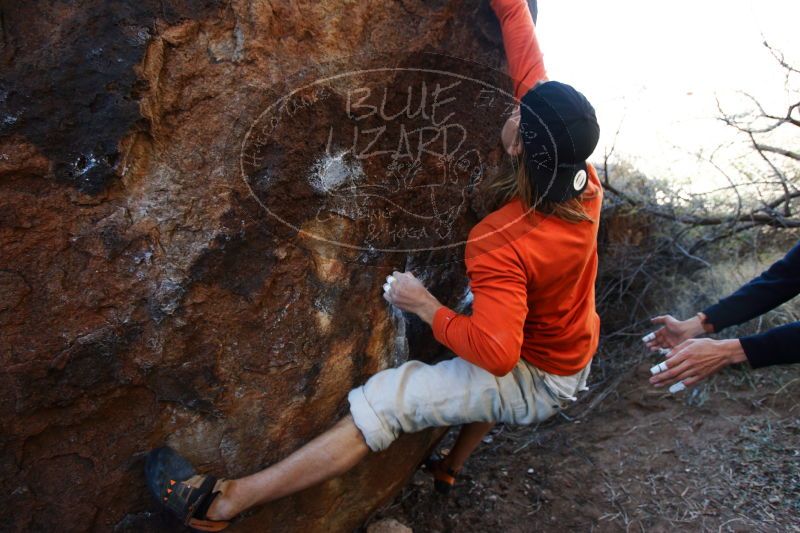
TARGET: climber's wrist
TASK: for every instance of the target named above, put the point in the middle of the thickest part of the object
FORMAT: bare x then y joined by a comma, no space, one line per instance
427,309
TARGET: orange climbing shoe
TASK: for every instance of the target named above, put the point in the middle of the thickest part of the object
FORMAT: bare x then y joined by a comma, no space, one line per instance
443,477
182,491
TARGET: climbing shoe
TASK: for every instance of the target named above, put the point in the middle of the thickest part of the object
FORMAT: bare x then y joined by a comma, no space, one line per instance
443,477
183,492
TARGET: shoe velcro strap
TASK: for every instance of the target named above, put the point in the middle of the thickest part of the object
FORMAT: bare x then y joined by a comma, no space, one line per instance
186,497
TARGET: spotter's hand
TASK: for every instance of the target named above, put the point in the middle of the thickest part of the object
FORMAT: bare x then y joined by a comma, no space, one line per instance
694,360
672,332
408,293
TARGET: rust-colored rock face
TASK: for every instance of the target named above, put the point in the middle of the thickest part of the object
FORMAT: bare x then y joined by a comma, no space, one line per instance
199,203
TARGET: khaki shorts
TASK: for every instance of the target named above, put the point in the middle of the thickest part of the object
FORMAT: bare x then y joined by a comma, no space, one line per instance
415,396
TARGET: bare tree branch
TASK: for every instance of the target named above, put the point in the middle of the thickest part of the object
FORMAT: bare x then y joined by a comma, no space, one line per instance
778,55
781,151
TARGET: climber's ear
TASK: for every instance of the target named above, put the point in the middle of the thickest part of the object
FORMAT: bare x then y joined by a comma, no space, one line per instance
516,147
512,142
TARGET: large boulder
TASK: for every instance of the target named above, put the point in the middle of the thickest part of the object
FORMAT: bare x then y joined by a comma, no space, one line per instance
199,203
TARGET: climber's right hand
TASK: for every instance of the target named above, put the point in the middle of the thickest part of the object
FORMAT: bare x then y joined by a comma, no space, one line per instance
404,290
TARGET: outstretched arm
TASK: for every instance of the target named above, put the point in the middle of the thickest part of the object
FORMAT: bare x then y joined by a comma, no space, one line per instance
525,60
778,284
692,360
778,346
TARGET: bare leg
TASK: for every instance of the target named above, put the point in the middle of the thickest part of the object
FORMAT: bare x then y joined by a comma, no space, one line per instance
468,439
331,454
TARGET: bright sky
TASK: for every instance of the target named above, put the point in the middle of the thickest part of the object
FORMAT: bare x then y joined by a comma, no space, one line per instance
655,68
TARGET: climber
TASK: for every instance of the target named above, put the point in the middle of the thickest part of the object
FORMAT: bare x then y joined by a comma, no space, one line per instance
690,360
525,351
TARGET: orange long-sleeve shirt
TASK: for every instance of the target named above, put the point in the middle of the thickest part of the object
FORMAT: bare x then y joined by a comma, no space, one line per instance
525,58
532,276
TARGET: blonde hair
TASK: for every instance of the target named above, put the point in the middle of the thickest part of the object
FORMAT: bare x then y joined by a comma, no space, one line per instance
517,185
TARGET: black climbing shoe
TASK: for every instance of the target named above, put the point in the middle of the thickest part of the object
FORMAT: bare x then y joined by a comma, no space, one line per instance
179,489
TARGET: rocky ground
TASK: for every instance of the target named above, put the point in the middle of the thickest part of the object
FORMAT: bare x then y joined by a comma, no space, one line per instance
627,457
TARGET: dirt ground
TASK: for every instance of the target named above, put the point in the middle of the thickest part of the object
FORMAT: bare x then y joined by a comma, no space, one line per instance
627,457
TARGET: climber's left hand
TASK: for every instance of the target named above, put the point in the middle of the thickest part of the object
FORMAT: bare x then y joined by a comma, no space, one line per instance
405,291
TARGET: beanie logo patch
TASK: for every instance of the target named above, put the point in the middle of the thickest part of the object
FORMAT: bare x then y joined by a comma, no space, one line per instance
580,180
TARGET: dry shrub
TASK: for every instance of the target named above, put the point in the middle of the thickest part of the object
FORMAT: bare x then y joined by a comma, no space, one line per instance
648,266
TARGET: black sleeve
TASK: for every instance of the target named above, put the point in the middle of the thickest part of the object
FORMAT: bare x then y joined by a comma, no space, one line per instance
778,346
778,284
